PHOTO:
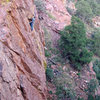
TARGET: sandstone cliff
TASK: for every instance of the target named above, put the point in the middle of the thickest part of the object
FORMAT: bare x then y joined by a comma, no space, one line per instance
55,18
22,61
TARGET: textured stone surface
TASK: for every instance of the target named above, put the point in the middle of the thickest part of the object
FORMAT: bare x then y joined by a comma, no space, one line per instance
56,18
96,21
57,9
22,73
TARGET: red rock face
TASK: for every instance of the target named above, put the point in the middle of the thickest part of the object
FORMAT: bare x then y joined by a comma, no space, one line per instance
22,61
57,9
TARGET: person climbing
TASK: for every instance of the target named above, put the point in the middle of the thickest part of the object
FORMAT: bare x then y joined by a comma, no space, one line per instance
31,19
31,22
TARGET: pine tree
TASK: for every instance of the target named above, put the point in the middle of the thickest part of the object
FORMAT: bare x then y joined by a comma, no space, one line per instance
73,44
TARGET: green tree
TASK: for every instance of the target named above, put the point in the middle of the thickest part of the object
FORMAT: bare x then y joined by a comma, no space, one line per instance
94,6
96,68
91,88
73,44
49,74
95,42
84,10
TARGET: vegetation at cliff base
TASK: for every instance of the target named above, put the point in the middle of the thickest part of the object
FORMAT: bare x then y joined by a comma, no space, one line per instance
49,74
96,67
95,42
73,44
91,88
68,72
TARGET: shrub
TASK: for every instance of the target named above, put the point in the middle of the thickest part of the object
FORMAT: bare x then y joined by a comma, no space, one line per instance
70,94
79,74
80,98
84,10
92,86
50,92
96,68
64,86
97,97
94,6
90,97
95,47
60,92
47,53
40,5
65,93
73,44
49,74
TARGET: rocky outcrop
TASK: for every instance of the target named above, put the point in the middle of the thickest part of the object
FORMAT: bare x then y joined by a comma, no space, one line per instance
22,61
96,21
57,9
71,5
55,18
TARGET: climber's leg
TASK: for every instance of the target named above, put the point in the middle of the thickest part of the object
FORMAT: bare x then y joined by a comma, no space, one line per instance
31,24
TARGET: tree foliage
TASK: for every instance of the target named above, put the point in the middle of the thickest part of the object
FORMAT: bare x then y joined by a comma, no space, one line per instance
49,74
95,42
73,43
86,9
94,6
96,68
91,88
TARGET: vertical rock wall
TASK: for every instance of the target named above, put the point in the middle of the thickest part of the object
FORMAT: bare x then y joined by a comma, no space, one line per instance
22,61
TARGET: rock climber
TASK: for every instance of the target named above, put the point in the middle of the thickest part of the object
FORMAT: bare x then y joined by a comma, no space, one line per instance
31,19
31,22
